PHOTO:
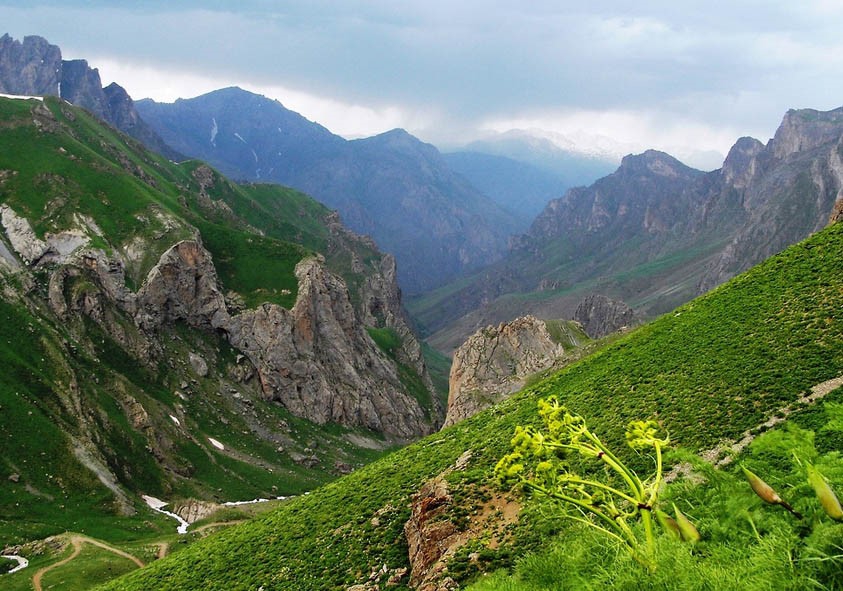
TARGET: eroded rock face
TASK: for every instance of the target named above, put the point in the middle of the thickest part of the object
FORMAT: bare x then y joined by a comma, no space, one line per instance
318,360
31,67
494,362
182,286
600,315
434,536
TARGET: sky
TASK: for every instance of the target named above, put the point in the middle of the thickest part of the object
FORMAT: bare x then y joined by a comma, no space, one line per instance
686,77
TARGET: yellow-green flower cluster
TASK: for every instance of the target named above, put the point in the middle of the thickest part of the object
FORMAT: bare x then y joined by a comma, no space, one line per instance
644,434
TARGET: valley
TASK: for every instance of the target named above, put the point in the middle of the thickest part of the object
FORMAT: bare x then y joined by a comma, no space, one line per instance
216,299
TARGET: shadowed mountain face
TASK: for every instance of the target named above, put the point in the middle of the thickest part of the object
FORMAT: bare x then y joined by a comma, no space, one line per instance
655,233
391,186
35,67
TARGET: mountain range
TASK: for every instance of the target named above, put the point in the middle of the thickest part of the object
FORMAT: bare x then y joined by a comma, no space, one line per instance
392,186
655,233
169,333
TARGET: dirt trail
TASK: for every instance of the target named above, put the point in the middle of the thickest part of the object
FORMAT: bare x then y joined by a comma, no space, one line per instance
76,541
724,453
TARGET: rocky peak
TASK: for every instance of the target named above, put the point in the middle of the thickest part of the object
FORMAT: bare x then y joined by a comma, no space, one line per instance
121,107
35,67
741,165
600,315
81,85
805,129
653,162
29,68
495,361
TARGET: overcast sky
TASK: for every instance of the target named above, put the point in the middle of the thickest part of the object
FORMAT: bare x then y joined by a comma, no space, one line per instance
674,75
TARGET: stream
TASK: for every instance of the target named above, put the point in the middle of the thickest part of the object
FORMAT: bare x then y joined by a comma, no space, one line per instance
158,505
22,562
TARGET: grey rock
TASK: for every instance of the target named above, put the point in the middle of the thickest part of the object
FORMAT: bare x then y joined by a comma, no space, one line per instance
198,364
600,316
31,67
494,362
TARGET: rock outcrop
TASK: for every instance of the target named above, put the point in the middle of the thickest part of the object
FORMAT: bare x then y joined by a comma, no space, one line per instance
434,533
495,361
599,315
35,67
318,360
29,68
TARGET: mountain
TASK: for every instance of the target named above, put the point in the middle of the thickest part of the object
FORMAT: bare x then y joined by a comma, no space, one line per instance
519,188
392,186
713,371
655,233
35,67
170,333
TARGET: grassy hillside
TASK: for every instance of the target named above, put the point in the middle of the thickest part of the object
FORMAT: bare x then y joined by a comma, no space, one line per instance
708,371
130,402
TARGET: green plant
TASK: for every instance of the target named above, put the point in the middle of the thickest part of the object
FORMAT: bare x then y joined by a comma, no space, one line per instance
611,507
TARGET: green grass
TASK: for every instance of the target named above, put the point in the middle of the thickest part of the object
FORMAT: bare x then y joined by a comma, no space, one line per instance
746,544
92,566
712,369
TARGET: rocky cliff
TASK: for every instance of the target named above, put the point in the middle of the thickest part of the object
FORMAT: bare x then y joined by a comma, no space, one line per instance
34,67
599,315
495,361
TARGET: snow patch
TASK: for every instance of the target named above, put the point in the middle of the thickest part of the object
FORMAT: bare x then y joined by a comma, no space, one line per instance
158,505
22,562
175,420
252,502
22,97
214,131
216,443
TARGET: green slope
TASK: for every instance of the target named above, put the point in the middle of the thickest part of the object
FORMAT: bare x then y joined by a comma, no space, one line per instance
708,371
66,380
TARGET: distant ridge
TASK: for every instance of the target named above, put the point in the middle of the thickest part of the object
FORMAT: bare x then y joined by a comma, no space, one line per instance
392,186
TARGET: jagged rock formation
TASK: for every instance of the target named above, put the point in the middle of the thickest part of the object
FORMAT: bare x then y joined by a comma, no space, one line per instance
316,359
392,187
34,67
31,67
495,361
319,362
788,191
658,233
599,315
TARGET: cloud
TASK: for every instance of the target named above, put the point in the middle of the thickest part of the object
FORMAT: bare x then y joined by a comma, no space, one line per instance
444,69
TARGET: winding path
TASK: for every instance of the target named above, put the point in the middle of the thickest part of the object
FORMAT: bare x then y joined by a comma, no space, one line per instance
77,541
